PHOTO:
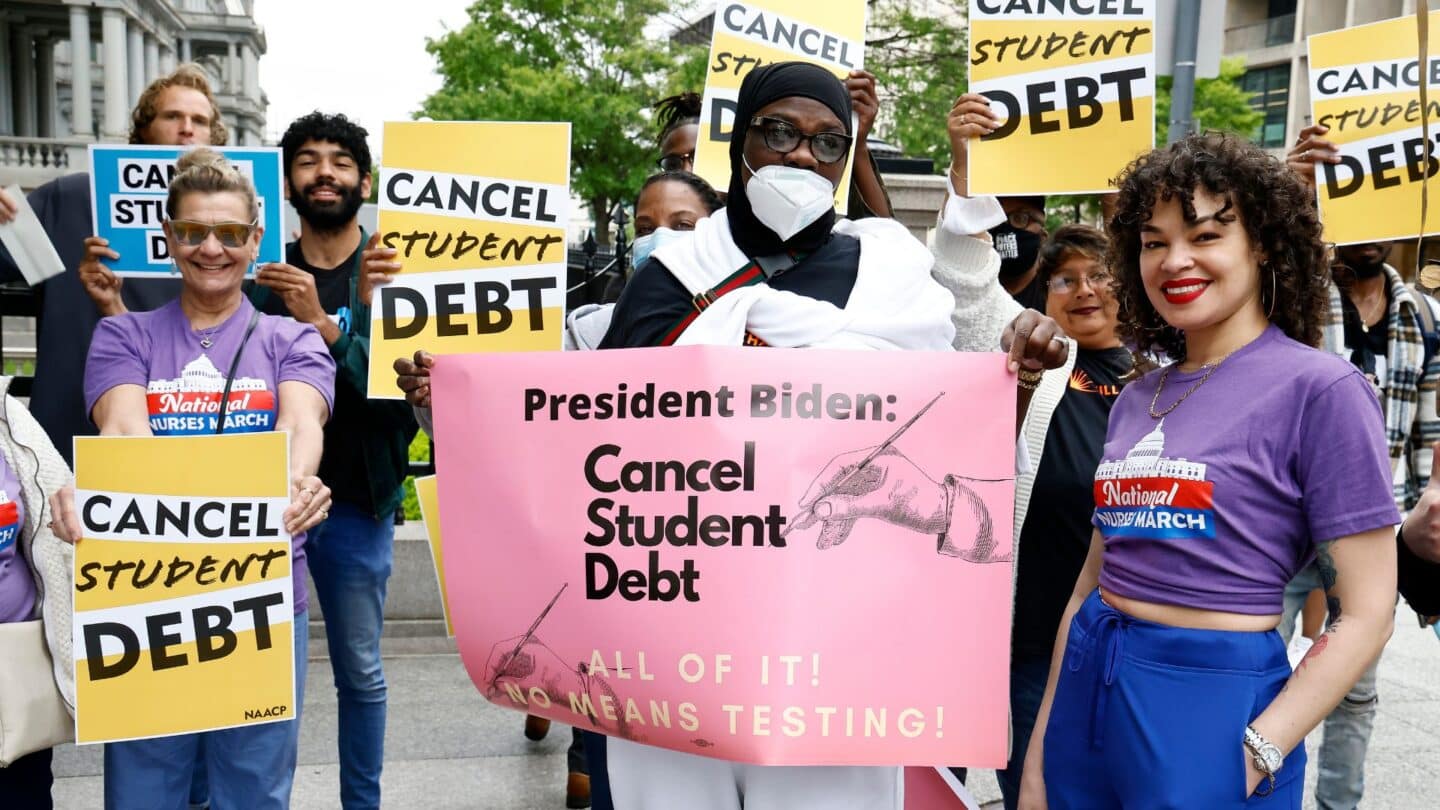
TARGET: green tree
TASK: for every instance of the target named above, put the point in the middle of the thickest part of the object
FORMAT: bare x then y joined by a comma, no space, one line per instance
583,61
918,50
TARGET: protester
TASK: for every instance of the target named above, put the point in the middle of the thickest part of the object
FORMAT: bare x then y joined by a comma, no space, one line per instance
679,119
667,208
1386,328
175,110
35,581
1223,474
367,441
823,283
213,235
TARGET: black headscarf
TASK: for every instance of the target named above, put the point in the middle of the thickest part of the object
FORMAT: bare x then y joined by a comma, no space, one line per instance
761,87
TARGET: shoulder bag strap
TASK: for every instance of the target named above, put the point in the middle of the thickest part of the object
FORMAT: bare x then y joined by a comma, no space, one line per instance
230,378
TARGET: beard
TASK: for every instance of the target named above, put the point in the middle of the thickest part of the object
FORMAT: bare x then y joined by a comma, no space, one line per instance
328,216
1368,270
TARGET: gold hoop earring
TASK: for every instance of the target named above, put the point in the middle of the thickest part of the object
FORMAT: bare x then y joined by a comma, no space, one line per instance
1273,292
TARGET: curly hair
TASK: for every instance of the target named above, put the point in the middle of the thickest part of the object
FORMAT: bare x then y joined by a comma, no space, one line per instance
1069,242
1270,201
336,129
187,75
708,197
674,112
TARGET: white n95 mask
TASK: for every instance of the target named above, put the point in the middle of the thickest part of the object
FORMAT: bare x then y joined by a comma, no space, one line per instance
645,245
786,199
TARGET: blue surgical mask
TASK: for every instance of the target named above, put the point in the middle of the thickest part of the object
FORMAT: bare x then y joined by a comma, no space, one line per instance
647,244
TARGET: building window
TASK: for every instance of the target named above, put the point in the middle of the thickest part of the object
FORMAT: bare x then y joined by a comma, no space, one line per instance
1271,89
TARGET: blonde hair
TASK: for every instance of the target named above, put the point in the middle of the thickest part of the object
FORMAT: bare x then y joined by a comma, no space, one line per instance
206,171
187,75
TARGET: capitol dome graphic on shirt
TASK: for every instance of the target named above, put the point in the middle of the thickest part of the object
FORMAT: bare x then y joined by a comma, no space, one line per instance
1148,495
1147,460
189,404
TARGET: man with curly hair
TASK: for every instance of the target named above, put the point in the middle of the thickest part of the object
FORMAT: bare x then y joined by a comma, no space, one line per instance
175,110
1376,323
327,178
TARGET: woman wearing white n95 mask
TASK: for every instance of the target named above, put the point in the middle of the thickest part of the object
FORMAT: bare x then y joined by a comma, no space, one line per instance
775,268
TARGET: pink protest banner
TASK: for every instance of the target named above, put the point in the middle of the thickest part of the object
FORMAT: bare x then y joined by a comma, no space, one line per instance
773,556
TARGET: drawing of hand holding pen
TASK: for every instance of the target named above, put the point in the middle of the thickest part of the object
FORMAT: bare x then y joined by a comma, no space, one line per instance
880,482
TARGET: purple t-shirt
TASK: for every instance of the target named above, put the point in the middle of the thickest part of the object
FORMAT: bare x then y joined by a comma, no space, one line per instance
17,586
1220,503
183,380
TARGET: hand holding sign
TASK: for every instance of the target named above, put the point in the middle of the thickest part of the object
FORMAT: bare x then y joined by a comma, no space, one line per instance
1310,149
309,504
377,268
970,117
861,84
297,289
1421,529
9,209
99,281
413,377
64,522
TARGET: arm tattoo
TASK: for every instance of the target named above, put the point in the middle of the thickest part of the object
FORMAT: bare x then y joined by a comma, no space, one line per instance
1326,565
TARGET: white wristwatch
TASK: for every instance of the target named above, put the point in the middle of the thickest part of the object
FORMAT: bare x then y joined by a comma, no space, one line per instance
1268,759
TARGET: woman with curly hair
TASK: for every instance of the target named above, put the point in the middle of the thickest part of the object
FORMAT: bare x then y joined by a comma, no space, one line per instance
1223,474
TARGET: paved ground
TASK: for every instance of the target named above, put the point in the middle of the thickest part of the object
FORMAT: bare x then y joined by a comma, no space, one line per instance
446,748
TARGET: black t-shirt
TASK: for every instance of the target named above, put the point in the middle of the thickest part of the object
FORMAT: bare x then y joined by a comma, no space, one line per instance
342,466
655,301
1057,530
1032,295
1369,348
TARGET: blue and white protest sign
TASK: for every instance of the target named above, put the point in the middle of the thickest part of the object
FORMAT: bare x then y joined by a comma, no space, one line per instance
128,186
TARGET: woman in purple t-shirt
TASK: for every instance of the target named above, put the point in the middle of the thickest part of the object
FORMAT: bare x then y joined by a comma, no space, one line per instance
162,373
1222,475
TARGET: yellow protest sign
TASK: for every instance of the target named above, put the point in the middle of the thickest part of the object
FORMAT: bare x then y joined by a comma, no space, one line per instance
1364,86
426,490
184,611
1074,85
753,33
477,212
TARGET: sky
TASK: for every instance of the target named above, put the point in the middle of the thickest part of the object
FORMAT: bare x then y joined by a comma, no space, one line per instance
365,58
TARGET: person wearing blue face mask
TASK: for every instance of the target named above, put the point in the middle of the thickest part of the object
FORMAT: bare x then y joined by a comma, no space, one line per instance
668,206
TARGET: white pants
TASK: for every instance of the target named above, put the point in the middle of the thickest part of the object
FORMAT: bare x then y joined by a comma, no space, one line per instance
643,777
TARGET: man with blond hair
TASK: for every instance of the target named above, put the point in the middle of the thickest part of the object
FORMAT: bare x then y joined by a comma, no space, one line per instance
175,110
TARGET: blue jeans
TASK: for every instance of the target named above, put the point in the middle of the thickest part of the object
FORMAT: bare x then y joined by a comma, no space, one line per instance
350,557
1028,675
1341,779
251,767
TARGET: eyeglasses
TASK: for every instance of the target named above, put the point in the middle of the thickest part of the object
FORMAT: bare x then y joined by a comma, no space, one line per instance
1064,285
676,162
194,234
784,137
1021,218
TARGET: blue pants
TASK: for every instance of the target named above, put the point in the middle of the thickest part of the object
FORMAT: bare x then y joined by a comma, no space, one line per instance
1028,676
251,767
350,557
1151,716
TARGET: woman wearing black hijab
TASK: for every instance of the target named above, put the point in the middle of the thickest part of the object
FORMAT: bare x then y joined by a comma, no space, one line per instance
775,268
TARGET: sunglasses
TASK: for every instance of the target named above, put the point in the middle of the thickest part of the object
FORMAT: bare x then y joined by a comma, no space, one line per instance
194,234
784,137
675,162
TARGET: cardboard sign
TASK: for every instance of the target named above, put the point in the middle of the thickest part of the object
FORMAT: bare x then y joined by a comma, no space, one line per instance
128,187
477,213
429,496
1074,86
758,32
787,557
1364,86
184,614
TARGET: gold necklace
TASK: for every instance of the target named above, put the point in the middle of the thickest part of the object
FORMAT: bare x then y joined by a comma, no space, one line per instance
1164,375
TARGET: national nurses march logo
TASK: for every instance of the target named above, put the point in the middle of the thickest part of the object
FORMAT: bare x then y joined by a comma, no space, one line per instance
190,403
9,521
1148,495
